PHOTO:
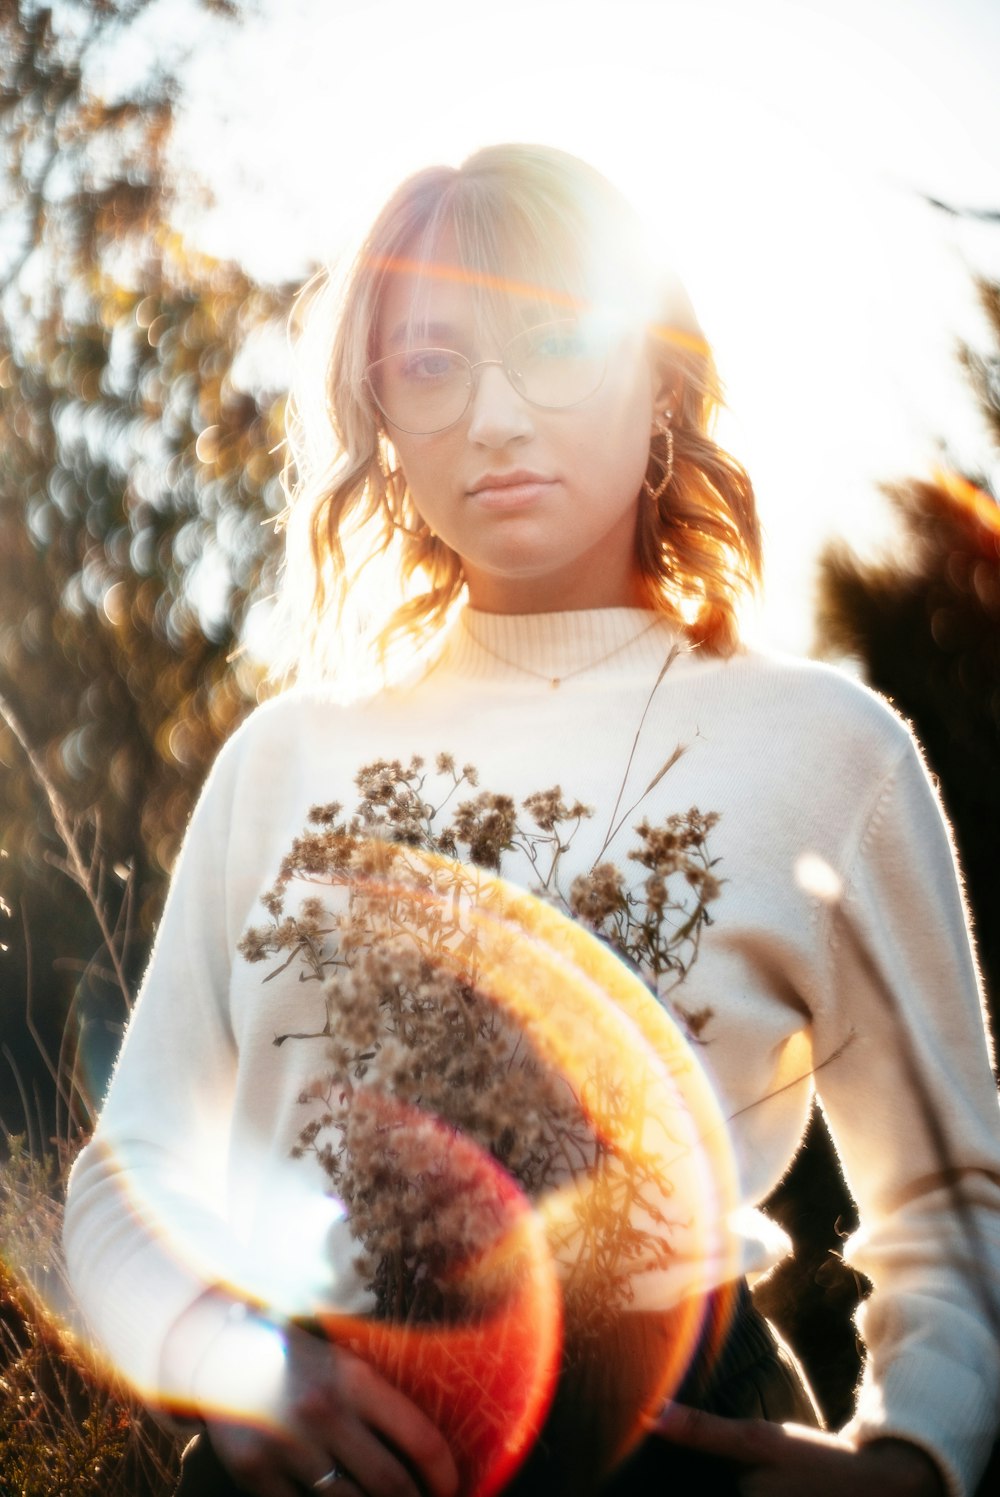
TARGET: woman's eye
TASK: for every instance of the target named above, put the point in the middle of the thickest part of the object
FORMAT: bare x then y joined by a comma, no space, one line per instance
429,364
562,342
559,345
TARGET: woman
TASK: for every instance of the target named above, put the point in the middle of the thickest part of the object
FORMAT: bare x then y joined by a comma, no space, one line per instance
520,407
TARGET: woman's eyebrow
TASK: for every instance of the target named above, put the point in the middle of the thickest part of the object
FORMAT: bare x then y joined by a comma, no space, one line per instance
427,334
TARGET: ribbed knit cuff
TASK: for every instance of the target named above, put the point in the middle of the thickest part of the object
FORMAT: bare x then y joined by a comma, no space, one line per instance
150,1294
937,1405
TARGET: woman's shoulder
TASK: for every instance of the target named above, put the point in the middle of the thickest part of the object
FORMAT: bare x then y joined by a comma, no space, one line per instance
293,710
277,733
827,704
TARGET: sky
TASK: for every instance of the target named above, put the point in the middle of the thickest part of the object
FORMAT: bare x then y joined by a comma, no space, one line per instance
784,152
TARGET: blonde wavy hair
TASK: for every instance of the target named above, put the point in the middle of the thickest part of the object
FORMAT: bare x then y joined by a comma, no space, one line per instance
529,222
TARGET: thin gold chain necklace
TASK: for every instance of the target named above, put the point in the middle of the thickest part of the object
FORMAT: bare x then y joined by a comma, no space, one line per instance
556,681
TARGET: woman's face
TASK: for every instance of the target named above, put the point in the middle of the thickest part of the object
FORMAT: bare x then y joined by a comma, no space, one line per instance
541,505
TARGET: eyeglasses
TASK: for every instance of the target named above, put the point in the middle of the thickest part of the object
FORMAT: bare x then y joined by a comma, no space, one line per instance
425,390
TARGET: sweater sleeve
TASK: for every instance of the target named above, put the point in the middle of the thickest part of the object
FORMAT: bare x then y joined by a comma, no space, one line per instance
912,1105
145,1232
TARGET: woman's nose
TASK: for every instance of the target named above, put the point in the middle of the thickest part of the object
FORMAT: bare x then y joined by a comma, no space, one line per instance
499,414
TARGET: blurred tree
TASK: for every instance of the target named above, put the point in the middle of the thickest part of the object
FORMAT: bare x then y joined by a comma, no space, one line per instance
925,625
139,419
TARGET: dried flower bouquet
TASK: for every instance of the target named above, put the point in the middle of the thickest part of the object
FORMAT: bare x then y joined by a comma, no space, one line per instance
467,1031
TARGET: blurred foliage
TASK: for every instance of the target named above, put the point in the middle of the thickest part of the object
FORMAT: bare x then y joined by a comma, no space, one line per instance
139,422
925,624
62,1430
138,433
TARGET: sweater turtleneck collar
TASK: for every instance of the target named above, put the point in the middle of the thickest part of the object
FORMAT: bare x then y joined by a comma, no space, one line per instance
585,645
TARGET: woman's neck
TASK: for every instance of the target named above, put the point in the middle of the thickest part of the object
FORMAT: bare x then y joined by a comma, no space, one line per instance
596,586
554,646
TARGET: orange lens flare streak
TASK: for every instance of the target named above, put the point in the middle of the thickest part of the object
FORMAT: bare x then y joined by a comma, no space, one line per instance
972,498
511,286
487,1384
482,280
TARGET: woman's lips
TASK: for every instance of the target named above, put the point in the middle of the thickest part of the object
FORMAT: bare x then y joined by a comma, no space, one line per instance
510,490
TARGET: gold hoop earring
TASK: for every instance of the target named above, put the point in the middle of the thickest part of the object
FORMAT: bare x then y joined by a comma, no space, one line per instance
664,430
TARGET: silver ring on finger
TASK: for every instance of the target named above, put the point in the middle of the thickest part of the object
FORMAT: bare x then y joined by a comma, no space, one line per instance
324,1483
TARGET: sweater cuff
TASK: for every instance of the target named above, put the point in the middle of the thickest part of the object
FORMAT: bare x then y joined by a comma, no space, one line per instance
149,1295
939,1406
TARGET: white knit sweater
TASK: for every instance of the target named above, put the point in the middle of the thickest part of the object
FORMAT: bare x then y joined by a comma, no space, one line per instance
838,936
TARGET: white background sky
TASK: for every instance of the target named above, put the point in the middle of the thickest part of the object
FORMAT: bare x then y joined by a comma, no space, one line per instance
781,147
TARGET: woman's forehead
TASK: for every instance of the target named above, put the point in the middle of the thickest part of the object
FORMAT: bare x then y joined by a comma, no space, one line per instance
488,286
431,297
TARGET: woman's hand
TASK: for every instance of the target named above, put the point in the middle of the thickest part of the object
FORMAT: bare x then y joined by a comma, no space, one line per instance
333,1411
785,1460
284,1408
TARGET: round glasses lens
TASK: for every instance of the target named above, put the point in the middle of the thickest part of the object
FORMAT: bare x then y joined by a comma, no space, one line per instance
557,364
421,389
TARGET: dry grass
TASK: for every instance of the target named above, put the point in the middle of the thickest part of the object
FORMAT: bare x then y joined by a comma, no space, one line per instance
66,1425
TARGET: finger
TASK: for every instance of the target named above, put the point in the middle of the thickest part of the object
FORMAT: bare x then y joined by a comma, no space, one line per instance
363,1463
406,1428
747,1441
372,1462
340,1406
345,1485
311,1463
378,1469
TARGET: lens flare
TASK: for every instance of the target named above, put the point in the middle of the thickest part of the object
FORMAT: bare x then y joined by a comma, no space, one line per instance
571,1311
486,1383
970,497
517,289
666,1168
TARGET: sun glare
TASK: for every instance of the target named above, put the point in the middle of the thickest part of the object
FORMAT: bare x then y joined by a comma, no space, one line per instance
778,152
